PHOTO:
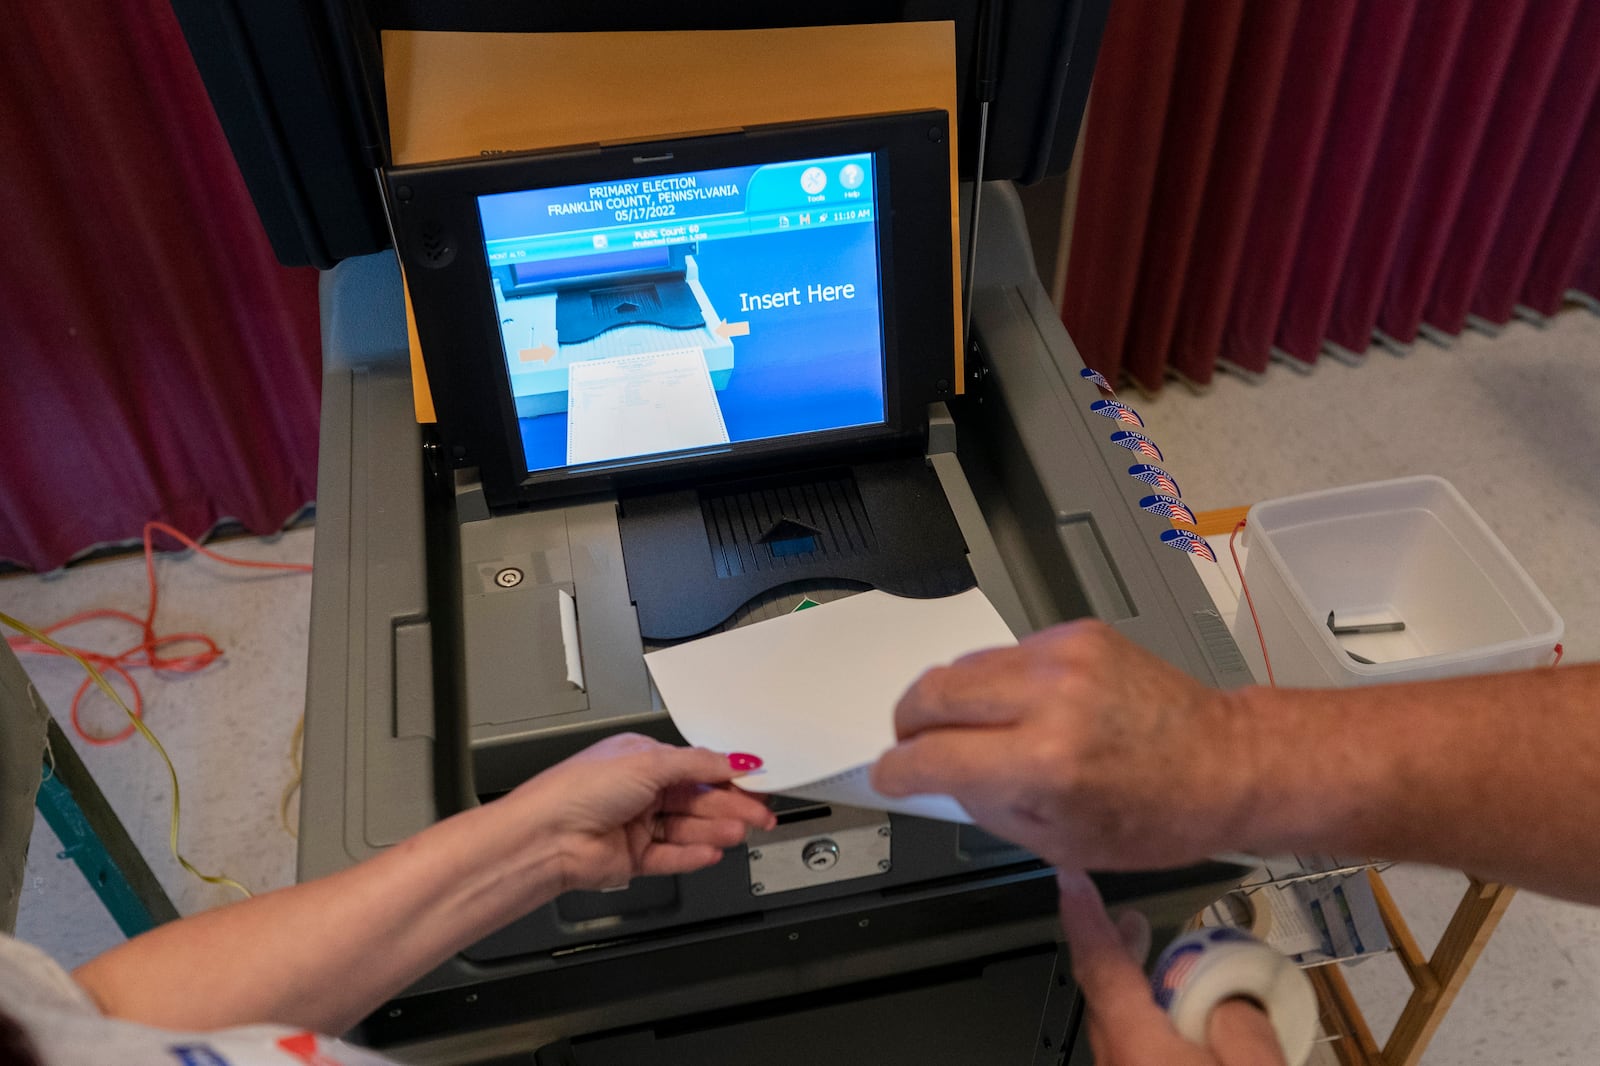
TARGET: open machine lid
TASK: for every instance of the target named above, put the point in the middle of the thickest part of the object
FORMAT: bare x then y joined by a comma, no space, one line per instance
298,86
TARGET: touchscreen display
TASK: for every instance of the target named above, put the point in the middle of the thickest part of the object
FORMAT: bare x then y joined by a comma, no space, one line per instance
689,312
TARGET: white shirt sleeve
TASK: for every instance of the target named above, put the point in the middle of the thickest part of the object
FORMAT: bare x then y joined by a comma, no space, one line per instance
67,1029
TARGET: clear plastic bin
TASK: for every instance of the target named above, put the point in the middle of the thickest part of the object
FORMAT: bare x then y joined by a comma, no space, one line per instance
1409,550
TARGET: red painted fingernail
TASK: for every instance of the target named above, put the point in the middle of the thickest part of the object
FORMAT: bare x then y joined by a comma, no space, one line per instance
740,761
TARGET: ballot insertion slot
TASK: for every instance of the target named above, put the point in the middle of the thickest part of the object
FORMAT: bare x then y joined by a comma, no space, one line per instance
804,814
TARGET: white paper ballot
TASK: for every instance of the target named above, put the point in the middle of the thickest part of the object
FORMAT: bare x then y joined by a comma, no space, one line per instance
630,405
813,693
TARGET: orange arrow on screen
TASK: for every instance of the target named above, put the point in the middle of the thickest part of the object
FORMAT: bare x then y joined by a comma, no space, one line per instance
542,354
733,329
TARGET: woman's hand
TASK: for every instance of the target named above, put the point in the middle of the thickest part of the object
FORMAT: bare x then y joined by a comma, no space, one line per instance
323,954
633,807
1126,1028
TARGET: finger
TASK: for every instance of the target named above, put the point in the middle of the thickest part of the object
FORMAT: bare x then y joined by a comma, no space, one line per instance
1240,1034
618,744
1112,982
945,761
684,829
962,693
718,802
662,860
1135,932
677,766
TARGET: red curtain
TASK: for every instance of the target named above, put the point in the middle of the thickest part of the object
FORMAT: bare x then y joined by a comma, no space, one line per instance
1240,131
1137,54
155,360
1524,87
1376,49
1188,146
1266,179
1409,112
1554,155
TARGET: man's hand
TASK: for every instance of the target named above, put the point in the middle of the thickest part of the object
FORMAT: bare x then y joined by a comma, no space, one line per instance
630,806
1126,1028
1080,746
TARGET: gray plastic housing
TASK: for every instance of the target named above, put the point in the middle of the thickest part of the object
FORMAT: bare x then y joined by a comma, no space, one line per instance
431,684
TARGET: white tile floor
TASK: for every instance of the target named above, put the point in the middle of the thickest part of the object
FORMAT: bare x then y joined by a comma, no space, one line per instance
227,728
1514,423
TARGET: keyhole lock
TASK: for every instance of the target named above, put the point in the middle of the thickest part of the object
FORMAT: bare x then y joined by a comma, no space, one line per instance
820,854
509,578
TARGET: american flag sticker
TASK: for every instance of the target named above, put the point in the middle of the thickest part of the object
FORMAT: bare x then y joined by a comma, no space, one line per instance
1098,378
1169,981
1193,543
1168,507
1155,477
1119,411
1137,442
1173,973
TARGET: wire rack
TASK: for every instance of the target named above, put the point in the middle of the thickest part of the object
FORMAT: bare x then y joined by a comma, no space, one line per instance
1284,874
1435,977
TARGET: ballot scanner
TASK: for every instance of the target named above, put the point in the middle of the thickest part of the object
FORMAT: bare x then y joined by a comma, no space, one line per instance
628,455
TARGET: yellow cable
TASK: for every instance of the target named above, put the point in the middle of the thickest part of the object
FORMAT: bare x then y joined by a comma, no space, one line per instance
50,752
144,731
293,786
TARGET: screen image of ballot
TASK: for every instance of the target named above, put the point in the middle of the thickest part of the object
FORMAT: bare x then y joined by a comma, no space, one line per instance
644,316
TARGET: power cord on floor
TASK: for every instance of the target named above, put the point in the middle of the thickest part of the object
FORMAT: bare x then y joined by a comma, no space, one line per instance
295,744
135,723
151,651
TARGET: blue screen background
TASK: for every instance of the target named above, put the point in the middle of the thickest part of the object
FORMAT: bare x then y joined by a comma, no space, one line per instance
802,369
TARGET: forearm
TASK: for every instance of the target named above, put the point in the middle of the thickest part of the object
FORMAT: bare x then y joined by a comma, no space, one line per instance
1498,776
323,954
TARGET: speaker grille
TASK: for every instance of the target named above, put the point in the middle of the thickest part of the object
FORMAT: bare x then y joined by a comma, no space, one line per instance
434,246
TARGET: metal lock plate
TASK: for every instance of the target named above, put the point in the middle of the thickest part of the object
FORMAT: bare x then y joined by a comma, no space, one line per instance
808,850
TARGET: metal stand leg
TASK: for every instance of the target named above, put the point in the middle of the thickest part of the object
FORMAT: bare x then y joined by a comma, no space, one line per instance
93,837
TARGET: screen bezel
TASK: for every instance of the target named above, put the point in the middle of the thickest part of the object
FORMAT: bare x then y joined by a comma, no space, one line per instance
439,235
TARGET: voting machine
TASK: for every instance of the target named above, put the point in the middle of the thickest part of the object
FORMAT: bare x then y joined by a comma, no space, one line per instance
682,385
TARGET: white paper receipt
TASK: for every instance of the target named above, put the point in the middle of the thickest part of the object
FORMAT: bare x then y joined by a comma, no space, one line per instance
813,693
629,405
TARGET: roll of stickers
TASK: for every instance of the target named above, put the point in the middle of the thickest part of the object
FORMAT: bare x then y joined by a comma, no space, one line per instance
1246,910
1202,969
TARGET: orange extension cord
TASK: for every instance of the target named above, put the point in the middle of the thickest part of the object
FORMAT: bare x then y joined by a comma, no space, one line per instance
153,649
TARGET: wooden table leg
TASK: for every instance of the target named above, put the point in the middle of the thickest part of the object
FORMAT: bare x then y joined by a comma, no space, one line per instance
1463,941
1341,1017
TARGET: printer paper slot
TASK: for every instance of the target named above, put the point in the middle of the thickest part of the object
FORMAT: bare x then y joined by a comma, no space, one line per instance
570,647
